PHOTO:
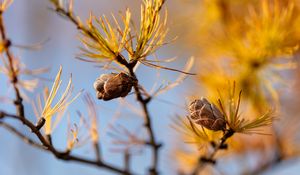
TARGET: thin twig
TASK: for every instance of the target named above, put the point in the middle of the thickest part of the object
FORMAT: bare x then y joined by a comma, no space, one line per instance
276,160
127,157
204,160
130,67
59,154
18,102
272,164
22,136
97,151
148,124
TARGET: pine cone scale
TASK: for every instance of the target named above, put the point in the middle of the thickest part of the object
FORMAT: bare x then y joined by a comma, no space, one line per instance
207,115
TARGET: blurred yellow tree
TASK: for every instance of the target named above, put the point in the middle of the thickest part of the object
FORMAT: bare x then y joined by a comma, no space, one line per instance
255,44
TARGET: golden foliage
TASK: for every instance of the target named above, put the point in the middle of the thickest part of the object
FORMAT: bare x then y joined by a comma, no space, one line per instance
50,108
105,41
236,122
109,44
229,106
152,30
251,44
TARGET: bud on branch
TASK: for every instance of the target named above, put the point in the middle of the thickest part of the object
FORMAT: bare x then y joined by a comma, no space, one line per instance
207,115
110,86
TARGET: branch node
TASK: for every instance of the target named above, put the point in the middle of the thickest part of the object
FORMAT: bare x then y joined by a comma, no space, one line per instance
121,60
158,145
132,64
19,100
40,123
147,100
49,138
213,144
6,43
223,146
228,133
207,160
153,171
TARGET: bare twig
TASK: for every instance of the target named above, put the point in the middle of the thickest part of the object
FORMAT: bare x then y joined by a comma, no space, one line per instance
144,103
20,116
127,157
97,151
58,154
204,160
130,67
271,164
277,158
22,136
14,77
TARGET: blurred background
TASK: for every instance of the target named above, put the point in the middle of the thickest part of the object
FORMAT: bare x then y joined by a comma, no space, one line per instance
253,42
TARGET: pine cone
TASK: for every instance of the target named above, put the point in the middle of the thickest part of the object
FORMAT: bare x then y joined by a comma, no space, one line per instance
110,86
207,115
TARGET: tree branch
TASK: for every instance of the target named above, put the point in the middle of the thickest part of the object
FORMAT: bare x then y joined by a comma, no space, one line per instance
22,136
271,164
127,160
18,102
148,124
20,116
130,67
276,160
97,151
204,160
50,148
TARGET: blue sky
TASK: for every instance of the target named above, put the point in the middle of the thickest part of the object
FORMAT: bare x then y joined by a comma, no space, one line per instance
30,22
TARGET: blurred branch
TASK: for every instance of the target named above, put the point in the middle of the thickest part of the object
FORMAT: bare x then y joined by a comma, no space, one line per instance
272,164
277,158
18,102
50,148
265,166
144,103
130,67
22,136
98,152
204,160
127,157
